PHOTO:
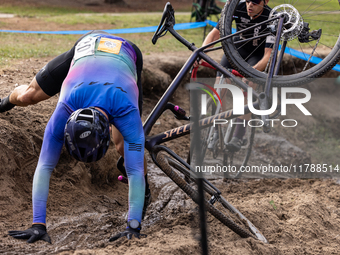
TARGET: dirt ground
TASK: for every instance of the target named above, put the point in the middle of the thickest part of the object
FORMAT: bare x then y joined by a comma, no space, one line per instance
87,205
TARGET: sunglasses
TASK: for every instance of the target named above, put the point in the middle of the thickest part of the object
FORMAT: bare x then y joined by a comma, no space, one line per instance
255,2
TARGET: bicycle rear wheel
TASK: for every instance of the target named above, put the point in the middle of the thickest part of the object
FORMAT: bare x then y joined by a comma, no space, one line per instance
307,54
215,204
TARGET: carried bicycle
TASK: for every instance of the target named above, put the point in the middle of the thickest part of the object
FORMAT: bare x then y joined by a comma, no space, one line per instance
297,33
177,168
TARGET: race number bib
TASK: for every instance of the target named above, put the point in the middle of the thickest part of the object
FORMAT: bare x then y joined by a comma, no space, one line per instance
110,45
270,39
85,47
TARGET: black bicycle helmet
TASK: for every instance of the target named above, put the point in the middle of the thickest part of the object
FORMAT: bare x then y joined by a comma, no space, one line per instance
87,135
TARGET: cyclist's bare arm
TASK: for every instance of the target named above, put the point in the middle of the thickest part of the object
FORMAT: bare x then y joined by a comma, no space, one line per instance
25,95
261,65
212,36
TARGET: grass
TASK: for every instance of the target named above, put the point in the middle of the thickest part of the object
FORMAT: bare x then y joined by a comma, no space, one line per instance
271,202
319,14
29,11
21,46
308,5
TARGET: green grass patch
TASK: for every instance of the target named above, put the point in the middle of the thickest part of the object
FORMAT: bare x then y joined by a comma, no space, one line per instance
271,202
30,11
120,21
21,46
34,45
305,6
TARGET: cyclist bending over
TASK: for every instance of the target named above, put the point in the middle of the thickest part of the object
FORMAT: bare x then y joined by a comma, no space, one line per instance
48,81
98,89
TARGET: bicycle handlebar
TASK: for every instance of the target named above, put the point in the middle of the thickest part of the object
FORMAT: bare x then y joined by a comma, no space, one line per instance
166,24
167,21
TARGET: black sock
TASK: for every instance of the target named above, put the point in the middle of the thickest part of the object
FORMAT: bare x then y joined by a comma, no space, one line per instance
240,129
5,105
147,188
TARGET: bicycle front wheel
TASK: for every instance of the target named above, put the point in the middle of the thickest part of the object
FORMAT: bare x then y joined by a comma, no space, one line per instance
215,204
310,37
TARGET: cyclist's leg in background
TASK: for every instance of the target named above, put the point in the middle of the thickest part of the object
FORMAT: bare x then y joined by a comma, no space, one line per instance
241,128
225,63
252,59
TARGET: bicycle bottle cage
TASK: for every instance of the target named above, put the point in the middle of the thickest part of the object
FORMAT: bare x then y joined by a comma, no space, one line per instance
167,21
307,36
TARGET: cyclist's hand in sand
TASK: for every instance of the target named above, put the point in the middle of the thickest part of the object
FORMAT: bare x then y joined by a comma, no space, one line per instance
129,233
34,233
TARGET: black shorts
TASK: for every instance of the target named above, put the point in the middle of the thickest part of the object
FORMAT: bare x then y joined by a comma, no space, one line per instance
51,76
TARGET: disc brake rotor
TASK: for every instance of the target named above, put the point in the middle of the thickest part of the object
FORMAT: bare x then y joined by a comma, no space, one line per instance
293,23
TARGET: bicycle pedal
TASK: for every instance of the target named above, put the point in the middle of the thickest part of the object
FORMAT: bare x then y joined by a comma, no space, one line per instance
212,144
244,141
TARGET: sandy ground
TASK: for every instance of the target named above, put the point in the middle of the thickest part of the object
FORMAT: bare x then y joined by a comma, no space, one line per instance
87,205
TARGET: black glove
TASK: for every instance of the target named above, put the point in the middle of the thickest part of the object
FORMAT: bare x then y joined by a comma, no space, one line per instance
129,232
5,104
34,233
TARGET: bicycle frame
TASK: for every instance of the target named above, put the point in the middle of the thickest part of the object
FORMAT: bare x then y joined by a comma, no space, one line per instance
152,143
261,99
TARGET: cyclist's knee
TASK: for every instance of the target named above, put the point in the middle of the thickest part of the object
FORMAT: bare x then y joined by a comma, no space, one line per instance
28,94
22,95
26,98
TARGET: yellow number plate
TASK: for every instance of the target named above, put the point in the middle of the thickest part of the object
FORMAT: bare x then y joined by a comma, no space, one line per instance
110,45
